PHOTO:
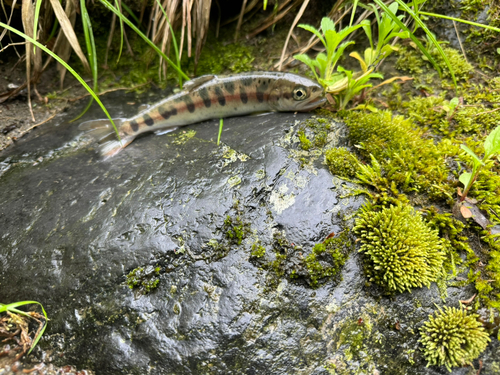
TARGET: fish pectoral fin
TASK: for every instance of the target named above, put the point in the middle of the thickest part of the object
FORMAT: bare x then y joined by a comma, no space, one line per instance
197,82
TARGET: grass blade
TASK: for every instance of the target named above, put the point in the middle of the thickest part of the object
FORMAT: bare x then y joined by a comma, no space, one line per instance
461,20
121,34
91,52
35,23
146,39
431,38
69,68
129,11
221,124
412,36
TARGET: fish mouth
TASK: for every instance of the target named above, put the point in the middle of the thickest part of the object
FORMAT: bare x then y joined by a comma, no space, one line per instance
312,104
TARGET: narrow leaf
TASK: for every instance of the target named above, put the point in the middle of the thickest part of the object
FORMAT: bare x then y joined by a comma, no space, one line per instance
471,153
492,143
67,28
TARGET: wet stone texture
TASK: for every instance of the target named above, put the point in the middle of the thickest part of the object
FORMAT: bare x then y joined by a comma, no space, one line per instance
74,226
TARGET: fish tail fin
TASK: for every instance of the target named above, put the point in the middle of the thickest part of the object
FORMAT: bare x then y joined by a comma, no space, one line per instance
105,135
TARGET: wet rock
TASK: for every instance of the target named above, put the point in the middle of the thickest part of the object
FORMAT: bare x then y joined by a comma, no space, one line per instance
74,226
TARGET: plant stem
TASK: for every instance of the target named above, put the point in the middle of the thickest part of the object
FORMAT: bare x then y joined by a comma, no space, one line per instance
460,20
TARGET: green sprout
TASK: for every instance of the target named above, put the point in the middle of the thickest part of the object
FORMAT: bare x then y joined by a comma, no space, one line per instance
401,251
452,338
491,148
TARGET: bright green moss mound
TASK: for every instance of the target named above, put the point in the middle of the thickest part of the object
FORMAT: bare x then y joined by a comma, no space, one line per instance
341,162
401,251
452,338
407,155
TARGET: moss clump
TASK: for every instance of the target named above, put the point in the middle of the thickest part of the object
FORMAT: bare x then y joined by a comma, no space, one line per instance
452,338
144,279
236,229
401,251
341,162
258,250
407,157
428,112
411,60
318,266
461,67
305,143
217,58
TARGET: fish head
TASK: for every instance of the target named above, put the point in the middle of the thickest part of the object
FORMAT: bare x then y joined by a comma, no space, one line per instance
296,93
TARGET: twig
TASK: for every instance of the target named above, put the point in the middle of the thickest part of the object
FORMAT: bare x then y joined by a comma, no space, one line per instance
459,41
40,123
297,18
483,113
12,44
240,19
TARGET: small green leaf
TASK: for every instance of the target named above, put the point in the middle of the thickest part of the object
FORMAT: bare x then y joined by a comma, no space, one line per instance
313,30
465,178
492,143
454,102
475,158
327,24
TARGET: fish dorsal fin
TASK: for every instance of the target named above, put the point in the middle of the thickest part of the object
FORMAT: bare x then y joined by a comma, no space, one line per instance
198,81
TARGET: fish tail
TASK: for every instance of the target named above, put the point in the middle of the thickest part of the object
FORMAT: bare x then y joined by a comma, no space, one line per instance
105,135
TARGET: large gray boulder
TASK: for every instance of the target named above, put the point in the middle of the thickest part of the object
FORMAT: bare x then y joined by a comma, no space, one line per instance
73,226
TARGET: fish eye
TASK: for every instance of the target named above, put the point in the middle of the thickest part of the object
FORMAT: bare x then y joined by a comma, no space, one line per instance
299,93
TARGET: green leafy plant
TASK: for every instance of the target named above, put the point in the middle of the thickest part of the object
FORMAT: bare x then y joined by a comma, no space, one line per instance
13,308
342,84
491,148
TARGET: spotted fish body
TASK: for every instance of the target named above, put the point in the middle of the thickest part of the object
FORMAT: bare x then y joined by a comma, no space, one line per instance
211,96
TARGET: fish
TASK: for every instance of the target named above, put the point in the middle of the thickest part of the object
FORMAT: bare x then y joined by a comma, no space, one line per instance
212,97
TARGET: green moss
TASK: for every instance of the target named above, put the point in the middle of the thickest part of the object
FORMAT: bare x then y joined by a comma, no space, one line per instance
319,266
451,232
452,338
428,112
182,137
305,143
236,229
407,156
461,67
353,335
400,251
410,60
218,58
258,250
341,162
413,61
144,279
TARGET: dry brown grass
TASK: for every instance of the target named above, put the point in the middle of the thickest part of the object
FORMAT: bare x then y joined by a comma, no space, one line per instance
190,18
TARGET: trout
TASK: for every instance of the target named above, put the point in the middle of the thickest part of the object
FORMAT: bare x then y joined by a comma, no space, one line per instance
213,97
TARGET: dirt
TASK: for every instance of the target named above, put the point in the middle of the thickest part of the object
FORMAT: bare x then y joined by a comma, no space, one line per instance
15,115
